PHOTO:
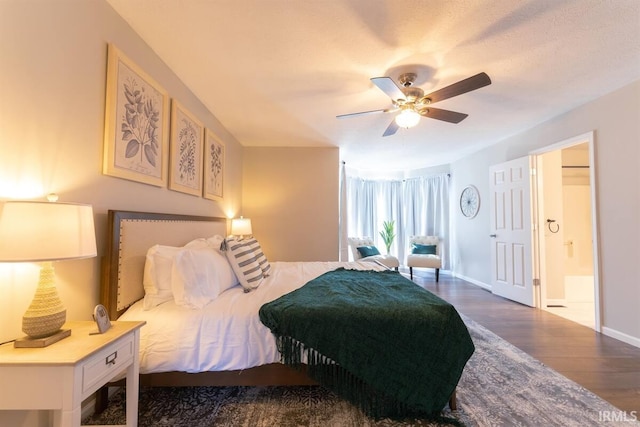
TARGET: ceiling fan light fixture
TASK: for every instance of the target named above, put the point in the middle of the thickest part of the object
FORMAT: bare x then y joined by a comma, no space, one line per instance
412,102
407,118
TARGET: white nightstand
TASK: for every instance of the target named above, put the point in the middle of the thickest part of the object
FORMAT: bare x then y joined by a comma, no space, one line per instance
61,376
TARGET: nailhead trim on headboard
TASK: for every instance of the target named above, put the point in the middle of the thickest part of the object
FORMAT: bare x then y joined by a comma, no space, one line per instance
131,234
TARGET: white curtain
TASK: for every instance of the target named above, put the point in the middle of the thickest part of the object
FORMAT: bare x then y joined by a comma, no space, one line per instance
418,206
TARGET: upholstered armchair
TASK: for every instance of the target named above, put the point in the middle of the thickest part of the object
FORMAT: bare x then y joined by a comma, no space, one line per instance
425,252
364,249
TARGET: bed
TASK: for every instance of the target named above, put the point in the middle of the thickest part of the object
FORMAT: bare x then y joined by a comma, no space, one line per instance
244,352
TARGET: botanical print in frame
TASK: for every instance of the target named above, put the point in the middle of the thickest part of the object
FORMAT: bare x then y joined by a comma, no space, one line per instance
213,166
136,123
185,165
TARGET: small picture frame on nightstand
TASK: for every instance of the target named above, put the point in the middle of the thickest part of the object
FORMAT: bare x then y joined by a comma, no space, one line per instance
101,318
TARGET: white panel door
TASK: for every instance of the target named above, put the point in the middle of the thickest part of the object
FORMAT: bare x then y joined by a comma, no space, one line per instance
511,231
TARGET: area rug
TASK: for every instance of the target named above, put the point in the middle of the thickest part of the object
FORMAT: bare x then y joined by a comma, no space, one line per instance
247,407
501,386
504,386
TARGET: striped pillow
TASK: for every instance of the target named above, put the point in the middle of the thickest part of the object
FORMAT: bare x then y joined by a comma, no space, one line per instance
260,256
243,262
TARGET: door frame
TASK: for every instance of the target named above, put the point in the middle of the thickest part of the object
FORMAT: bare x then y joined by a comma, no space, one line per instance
589,138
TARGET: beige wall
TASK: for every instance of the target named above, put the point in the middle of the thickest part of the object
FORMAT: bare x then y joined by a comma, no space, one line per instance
614,118
52,82
291,196
52,85
551,244
578,252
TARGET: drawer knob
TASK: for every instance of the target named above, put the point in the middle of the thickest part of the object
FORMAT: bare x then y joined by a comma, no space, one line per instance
111,359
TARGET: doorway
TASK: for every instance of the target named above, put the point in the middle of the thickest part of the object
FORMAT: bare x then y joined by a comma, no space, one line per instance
565,236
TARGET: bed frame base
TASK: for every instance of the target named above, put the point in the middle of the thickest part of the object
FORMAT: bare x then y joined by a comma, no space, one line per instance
274,374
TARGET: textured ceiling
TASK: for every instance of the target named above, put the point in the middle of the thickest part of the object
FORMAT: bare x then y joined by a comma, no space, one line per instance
277,72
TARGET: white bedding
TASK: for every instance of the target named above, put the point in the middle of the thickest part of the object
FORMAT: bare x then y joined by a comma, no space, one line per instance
227,333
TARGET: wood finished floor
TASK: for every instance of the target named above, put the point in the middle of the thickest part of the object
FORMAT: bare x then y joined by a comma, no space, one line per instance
606,366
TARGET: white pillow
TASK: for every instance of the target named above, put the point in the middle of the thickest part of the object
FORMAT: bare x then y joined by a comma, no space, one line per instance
244,263
215,241
200,242
199,275
156,278
228,278
157,275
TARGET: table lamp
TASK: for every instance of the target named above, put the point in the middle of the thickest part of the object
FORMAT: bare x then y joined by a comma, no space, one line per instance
45,232
241,227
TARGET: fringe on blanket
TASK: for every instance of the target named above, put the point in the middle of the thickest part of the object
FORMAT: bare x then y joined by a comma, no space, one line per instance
331,375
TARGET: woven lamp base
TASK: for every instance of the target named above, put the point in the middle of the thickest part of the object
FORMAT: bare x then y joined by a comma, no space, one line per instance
46,314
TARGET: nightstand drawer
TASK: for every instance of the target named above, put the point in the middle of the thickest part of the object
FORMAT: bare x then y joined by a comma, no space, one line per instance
101,367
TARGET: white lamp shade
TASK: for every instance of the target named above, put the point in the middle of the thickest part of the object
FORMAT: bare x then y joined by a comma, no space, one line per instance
241,226
45,231
407,118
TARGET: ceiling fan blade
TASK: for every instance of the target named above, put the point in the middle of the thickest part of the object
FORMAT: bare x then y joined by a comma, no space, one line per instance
444,115
388,86
391,129
463,86
386,110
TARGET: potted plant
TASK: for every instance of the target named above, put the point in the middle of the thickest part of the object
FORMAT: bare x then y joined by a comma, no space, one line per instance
388,234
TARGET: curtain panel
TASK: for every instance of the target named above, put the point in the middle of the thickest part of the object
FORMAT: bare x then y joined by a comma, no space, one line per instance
419,206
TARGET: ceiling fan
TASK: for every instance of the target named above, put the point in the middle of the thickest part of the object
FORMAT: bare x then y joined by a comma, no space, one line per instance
412,103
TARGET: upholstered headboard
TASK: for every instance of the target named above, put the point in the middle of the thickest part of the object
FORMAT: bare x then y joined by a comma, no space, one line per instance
130,235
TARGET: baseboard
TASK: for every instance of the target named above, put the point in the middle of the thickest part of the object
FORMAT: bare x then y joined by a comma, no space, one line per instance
621,336
89,404
473,281
556,302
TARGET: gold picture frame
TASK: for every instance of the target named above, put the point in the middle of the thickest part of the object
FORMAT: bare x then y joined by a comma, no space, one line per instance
214,166
186,149
136,123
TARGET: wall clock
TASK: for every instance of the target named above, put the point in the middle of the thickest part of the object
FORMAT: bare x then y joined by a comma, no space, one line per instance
469,201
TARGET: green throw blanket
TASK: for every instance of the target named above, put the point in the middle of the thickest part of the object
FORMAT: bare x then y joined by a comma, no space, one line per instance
376,338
